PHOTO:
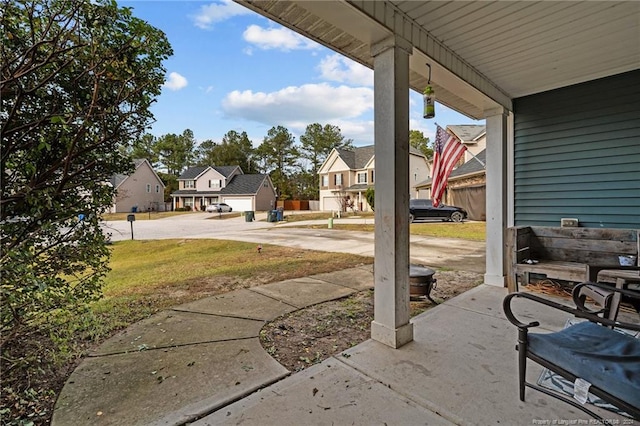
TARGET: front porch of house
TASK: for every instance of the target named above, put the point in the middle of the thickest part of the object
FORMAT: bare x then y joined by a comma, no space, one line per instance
460,368
195,202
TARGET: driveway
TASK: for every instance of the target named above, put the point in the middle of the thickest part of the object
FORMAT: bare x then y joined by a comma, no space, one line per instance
435,252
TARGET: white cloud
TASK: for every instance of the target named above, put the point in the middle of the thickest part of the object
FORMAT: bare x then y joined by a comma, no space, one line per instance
175,82
344,70
218,12
310,103
277,38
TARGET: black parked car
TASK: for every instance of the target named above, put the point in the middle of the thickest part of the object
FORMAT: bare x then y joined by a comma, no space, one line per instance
423,209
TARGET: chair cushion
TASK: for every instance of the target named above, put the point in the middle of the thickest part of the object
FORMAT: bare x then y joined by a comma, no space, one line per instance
607,359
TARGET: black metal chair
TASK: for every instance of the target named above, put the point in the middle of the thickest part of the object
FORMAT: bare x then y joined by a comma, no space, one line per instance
607,359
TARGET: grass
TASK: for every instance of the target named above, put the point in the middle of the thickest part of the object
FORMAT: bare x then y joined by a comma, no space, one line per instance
473,231
189,269
142,215
146,277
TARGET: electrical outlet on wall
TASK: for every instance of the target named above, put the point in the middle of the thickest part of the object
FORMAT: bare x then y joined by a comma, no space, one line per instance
566,222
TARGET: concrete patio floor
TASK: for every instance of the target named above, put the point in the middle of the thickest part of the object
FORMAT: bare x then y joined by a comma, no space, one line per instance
460,369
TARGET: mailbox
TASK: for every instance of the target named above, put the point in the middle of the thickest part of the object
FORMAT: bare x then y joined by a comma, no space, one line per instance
131,218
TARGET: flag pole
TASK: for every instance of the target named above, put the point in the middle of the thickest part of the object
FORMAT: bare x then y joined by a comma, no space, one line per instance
468,152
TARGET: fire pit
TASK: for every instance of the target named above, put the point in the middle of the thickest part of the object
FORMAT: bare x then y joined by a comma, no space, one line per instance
421,282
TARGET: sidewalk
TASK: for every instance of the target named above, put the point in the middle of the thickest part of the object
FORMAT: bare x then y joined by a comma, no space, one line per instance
189,361
202,364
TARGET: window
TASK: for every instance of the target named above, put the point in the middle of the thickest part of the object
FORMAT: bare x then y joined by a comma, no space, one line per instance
325,180
148,188
337,179
189,184
362,177
157,189
215,183
373,176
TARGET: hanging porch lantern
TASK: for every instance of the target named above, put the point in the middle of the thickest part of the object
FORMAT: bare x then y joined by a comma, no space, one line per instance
429,98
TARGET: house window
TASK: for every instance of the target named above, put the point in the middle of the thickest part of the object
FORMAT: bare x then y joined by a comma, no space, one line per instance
337,179
362,177
373,176
215,183
325,180
157,189
189,184
148,188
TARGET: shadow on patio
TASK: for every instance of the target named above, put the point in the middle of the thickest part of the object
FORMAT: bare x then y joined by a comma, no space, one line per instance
460,369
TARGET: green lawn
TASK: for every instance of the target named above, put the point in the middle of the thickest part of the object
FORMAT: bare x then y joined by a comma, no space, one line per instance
474,231
148,276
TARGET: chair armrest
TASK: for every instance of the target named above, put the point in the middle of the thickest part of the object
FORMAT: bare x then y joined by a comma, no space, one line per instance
594,270
506,304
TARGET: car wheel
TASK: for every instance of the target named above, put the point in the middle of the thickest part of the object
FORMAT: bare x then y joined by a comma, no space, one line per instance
411,218
456,217
230,209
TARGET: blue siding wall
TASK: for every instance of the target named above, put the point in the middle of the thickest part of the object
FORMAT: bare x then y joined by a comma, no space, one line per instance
577,154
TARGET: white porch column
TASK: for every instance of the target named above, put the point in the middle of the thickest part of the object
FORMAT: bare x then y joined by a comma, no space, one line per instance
391,108
496,122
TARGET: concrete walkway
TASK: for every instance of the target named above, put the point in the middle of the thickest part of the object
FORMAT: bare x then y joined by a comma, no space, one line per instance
202,364
184,363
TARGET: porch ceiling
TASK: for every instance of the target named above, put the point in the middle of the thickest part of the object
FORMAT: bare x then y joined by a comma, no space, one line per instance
482,54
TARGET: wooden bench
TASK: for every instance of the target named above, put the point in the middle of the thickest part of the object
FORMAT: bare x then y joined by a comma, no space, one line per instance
564,253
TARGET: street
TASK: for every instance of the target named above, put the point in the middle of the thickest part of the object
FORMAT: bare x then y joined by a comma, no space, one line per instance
435,252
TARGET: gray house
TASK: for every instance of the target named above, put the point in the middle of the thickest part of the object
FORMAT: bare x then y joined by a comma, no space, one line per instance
201,186
140,191
558,84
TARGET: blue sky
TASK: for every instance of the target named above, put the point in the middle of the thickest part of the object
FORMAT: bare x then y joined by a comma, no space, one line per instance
235,70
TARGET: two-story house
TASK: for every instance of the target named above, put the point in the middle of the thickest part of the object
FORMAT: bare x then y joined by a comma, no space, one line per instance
346,174
203,185
142,190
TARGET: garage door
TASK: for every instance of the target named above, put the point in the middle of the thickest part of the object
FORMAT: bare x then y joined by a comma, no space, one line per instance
330,204
240,204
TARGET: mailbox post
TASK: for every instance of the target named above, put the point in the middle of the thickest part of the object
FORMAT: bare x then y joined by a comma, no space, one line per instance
131,218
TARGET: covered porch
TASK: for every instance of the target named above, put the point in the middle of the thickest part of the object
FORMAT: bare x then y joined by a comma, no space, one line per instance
530,69
459,369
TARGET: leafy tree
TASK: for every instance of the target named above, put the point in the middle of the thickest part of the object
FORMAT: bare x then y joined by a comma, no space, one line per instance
279,158
78,79
304,185
176,152
418,140
145,147
370,196
318,142
235,149
170,184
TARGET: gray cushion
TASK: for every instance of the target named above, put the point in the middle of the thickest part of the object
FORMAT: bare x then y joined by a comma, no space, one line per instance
603,357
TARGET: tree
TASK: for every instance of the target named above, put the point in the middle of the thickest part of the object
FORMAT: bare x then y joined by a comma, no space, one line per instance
420,142
145,147
318,142
370,196
78,79
235,150
279,158
176,152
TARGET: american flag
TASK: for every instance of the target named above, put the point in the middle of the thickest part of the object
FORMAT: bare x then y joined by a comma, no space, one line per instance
447,151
